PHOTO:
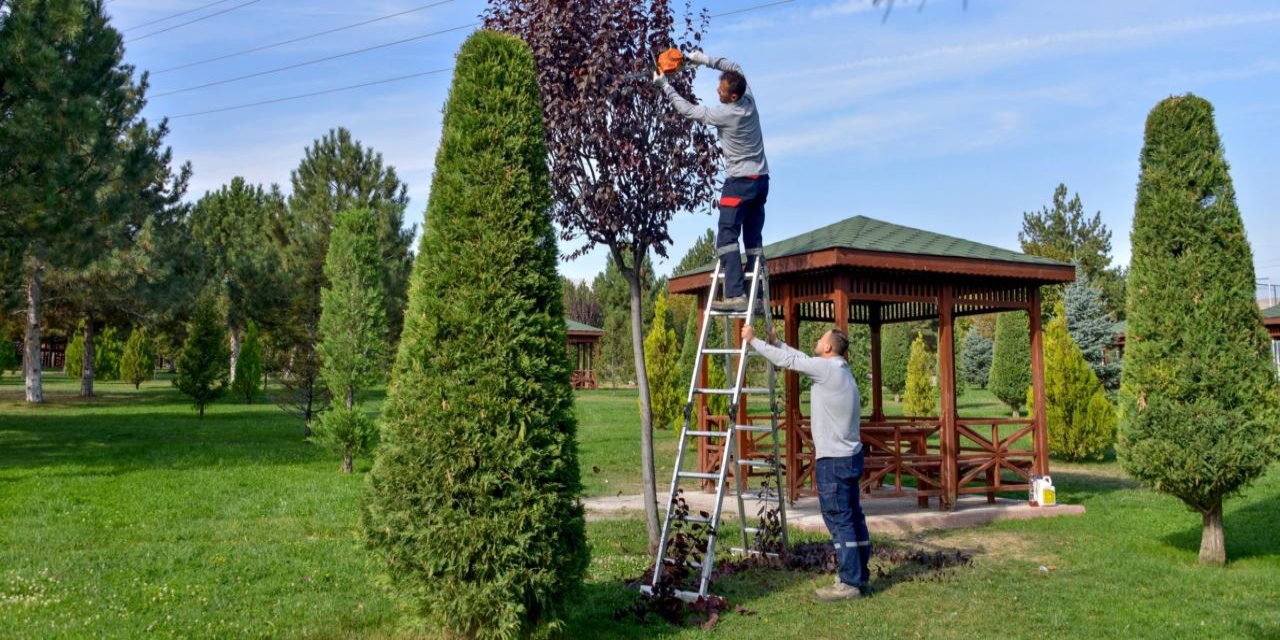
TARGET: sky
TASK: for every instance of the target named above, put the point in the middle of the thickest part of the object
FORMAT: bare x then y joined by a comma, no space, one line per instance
955,117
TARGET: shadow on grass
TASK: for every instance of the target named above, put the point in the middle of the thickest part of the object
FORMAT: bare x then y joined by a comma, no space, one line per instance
1250,531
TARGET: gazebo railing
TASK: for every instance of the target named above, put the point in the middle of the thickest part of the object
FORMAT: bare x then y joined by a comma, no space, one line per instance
990,449
904,456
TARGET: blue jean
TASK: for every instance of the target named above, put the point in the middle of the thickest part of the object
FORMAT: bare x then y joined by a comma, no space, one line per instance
741,212
839,498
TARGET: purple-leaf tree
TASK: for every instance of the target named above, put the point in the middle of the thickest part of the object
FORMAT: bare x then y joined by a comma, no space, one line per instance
622,162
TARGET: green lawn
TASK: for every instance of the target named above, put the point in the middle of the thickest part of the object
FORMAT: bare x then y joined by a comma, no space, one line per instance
123,516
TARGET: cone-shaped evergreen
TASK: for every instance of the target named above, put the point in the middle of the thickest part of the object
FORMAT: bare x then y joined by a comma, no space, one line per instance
895,353
138,363
73,357
1090,327
1080,419
473,495
248,378
975,359
1011,359
663,364
202,364
107,351
921,397
353,330
1198,391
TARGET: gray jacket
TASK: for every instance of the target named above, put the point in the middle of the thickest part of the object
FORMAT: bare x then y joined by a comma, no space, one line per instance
836,406
738,124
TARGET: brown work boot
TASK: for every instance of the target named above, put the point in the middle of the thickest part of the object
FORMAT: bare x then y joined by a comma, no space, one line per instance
838,591
735,304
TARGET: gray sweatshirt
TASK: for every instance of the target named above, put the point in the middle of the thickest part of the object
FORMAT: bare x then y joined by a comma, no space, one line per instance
741,141
836,406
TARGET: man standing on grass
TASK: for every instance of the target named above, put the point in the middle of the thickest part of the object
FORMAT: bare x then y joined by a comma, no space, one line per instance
746,185
835,413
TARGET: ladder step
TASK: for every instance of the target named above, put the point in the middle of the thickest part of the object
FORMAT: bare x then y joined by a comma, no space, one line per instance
727,352
687,596
731,314
730,392
762,498
759,464
752,529
753,552
754,428
691,562
706,434
694,518
699,475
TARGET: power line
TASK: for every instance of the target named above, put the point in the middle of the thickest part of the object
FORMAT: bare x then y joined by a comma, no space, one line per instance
752,8
312,94
300,38
389,80
189,22
315,61
176,15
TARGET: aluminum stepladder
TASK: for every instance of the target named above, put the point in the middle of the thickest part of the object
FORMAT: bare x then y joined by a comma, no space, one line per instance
758,294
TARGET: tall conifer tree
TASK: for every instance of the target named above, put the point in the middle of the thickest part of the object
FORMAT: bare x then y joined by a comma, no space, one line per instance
1198,394
473,496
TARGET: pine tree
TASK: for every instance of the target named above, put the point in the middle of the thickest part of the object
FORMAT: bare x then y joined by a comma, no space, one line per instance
975,358
663,363
1090,327
895,352
921,395
8,355
1199,399
1081,421
202,364
138,363
353,331
1011,359
73,357
248,379
473,497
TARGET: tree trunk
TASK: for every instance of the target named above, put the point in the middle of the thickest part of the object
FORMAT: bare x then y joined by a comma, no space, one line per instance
31,366
1213,546
235,352
347,460
351,398
202,413
86,366
646,407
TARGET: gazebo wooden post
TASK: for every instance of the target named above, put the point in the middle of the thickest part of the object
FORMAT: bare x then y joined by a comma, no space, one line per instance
947,382
877,387
1039,425
791,335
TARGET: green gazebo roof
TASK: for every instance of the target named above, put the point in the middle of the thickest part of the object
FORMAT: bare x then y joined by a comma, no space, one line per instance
572,325
1271,312
868,234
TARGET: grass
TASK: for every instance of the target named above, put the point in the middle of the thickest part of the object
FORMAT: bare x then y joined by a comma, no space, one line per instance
124,516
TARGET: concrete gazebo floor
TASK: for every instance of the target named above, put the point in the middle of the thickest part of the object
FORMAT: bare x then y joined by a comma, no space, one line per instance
887,516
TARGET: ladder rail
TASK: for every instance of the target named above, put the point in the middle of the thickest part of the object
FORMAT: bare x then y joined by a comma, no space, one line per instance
729,459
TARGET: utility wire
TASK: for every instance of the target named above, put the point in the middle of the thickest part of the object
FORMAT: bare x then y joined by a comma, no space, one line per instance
388,80
752,8
300,38
312,94
189,22
176,15
316,60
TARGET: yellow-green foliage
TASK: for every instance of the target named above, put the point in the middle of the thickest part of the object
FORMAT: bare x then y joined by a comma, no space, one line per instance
662,362
921,394
1081,421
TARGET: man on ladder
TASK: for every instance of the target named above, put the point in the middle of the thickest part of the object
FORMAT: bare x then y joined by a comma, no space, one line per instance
746,185
835,415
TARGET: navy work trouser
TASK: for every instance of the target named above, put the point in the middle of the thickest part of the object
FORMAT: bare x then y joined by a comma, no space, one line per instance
838,496
741,211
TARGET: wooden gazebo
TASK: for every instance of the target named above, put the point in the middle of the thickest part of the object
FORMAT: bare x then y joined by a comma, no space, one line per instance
866,271
583,343
1271,320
